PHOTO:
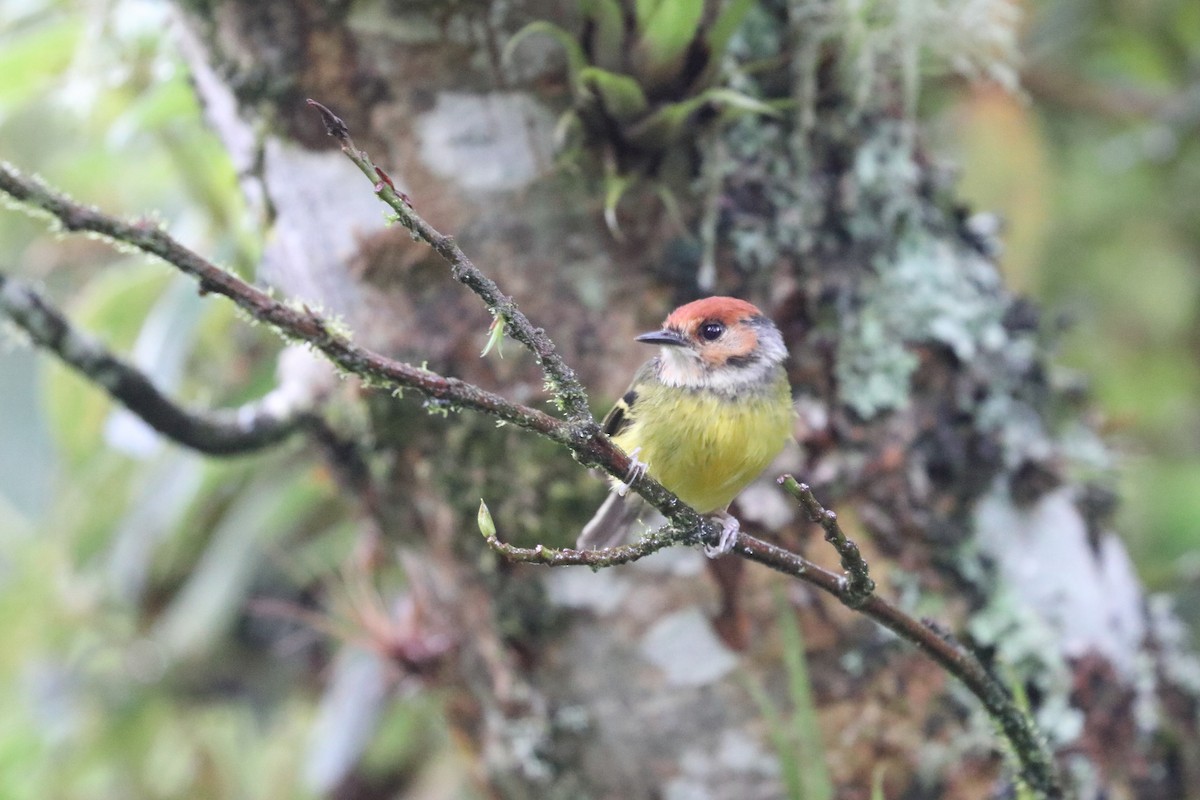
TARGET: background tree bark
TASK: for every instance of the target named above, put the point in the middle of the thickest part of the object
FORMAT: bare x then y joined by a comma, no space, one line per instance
929,414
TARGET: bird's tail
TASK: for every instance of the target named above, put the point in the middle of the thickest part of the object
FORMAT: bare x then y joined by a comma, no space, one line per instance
611,522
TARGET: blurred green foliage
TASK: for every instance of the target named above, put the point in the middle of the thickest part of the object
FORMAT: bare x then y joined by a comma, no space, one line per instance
646,84
133,661
1097,174
794,732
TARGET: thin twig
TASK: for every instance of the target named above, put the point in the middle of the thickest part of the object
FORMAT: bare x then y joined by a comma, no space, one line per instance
650,542
252,427
563,383
856,585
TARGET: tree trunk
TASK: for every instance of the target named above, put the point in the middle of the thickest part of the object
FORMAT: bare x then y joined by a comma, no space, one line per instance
927,414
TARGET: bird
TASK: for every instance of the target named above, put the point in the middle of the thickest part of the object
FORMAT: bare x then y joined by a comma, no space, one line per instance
704,417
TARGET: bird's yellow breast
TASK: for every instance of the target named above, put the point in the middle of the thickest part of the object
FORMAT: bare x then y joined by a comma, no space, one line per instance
705,446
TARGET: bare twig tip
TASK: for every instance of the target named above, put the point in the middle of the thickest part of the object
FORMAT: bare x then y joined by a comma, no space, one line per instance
334,126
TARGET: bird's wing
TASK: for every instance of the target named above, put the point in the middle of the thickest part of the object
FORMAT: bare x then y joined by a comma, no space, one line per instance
620,416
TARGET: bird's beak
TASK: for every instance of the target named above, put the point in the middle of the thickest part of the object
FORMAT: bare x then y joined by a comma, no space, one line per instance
665,337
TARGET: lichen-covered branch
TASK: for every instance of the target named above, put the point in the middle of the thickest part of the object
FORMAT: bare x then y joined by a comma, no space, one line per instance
300,323
579,433
564,384
1037,764
856,590
856,585
249,428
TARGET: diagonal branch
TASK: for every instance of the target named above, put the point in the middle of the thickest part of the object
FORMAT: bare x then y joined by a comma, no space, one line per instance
1037,763
564,384
294,322
252,427
300,323
856,585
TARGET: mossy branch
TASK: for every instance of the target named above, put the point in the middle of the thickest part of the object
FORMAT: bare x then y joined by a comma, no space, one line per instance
301,324
564,384
856,585
227,432
855,591
297,323
579,433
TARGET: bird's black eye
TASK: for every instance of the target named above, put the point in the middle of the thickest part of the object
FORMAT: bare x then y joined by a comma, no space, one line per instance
711,331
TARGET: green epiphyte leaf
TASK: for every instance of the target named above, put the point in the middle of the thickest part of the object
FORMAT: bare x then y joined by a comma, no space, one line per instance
620,96
730,18
723,27
645,9
567,129
664,36
670,121
607,39
671,203
615,187
574,52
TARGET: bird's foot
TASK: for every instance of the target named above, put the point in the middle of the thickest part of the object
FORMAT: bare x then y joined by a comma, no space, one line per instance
636,470
729,532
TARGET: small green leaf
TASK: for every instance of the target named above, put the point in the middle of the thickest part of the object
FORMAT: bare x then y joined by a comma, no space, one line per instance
670,121
731,100
791,770
495,338
730,18
575,58
620,96
567,129
486,525
615,187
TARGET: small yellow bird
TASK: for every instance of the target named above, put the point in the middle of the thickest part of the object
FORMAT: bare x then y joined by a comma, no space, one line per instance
704,417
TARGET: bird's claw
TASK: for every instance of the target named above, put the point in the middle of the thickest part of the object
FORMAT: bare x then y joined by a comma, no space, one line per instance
729,533
636,470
